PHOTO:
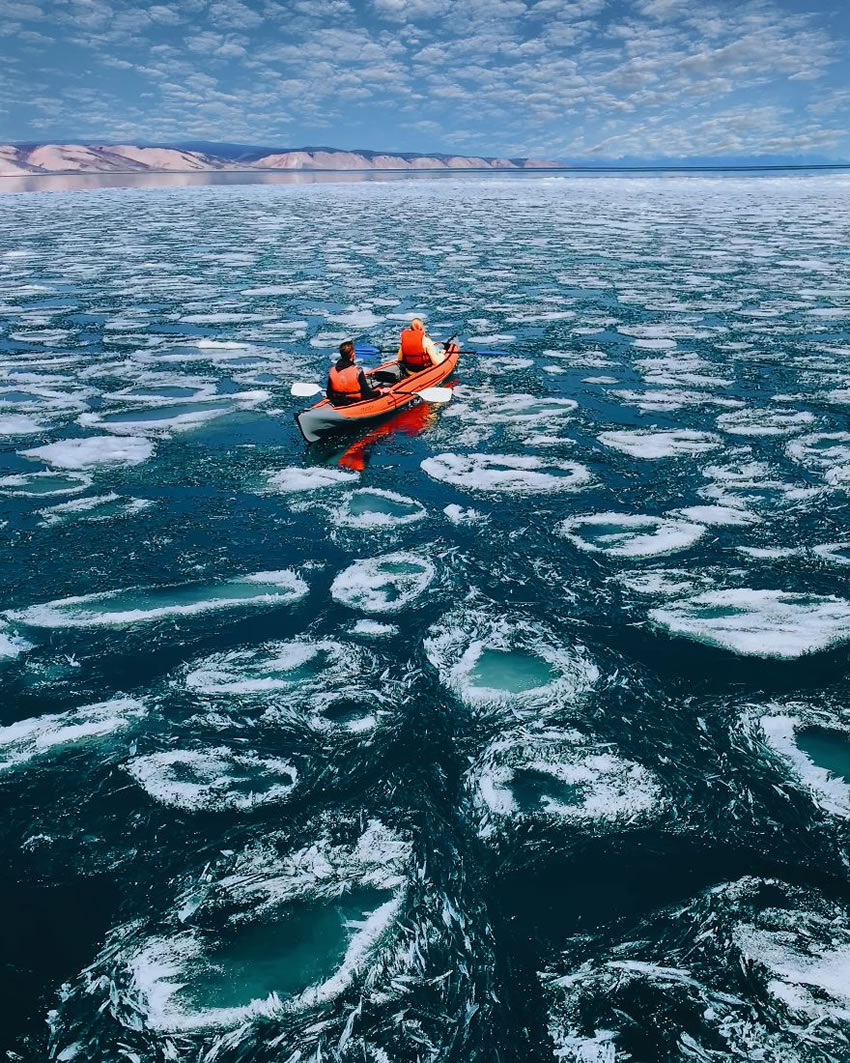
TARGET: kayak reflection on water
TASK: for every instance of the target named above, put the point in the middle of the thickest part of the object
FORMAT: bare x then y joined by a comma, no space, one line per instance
409,421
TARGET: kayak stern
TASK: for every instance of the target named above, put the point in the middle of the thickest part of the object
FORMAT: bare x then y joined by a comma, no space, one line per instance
319,421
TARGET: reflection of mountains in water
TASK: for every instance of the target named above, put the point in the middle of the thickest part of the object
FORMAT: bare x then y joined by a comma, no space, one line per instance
512,730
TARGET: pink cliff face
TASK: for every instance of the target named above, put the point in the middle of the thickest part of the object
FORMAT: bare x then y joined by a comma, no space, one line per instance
427,162
161,159
287,160
54,158
131,158
10,164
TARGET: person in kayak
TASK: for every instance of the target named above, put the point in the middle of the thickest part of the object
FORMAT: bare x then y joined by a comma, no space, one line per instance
347,383
417,351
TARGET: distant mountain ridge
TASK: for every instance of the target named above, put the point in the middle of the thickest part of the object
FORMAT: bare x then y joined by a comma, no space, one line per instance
23,159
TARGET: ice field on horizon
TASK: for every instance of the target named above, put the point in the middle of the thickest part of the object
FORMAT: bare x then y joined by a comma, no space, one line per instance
510,728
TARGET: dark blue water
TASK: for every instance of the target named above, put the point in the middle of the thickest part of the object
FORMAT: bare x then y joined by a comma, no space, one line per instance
514,729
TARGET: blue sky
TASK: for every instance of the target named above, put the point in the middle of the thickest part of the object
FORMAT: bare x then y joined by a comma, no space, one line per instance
587,80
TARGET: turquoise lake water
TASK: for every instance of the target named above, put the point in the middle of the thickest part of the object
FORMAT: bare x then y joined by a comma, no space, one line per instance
515,729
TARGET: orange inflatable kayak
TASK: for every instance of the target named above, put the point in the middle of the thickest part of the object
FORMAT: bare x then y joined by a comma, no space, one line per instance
324,419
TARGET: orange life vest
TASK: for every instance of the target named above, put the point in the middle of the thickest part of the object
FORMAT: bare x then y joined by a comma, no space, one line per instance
345,383
413,353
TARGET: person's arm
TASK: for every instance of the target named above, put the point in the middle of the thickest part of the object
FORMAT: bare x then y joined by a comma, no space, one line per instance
400,355
435,353
366,390
328,391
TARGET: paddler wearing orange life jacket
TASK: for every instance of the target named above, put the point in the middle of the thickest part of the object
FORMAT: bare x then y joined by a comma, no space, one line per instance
347,383
417,351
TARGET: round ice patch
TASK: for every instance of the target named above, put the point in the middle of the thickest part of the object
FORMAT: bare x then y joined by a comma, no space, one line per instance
383,584
511,473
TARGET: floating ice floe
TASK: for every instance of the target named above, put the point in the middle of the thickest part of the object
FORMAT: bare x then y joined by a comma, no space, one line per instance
162,420
768,553
776,422
26,740
373,629
518,412
511,473
93,451
19,424
664,330
745,483
493,339
838,476
383,584
290,481
816,745
667,400
820,450
41,393
373,509
225,318
658,344
458,515
488,659
717,515
171,389
325,685
760,623
829,312
688,370
343,900
213,779
362,320
138,605
582,359
94,509
508,364
756,969
44,484
11,644
558,775
272,666
836,553
664,582
630,535
652,443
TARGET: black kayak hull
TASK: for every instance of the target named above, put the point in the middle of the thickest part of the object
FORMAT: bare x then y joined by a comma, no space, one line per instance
319,422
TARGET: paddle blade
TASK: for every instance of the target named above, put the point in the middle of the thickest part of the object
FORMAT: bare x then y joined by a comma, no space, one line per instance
304,391
366,349
435,394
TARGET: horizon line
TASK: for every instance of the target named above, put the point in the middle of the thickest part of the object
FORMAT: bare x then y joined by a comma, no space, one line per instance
643,168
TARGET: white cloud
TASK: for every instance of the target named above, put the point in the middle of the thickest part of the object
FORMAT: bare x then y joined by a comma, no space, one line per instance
233,14
567,76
